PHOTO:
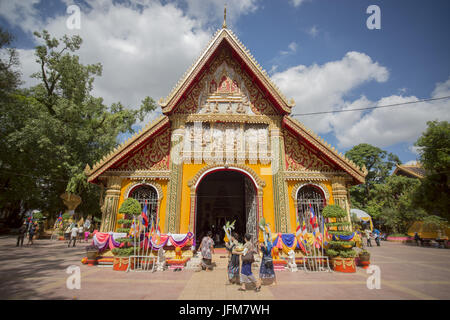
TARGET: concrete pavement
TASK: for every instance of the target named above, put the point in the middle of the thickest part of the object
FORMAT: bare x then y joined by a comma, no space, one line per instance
39,272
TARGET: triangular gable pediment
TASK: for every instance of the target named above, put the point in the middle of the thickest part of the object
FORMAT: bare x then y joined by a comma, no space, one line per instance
247,75
146,150
309,151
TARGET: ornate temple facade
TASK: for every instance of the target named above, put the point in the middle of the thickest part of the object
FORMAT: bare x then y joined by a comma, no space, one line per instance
224,149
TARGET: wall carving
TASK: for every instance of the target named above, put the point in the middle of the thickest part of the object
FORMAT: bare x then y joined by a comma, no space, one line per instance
299,157
224,88
154,156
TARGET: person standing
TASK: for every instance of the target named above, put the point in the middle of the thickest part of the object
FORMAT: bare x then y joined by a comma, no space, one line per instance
22,232
233,263
73,235
417,239
368,236
207,249
267,271
80,233
377,236
247,260
31,231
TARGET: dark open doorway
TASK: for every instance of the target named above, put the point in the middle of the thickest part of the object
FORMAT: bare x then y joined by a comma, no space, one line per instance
222,196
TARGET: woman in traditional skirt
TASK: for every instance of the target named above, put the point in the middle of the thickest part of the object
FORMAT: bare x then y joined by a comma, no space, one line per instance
233,263
207,248
266,271
246,270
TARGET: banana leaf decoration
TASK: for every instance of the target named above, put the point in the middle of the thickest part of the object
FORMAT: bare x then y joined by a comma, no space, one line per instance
227,228
267,234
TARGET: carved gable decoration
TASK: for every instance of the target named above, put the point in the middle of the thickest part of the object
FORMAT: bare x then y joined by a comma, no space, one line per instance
224,88
153,156
299,157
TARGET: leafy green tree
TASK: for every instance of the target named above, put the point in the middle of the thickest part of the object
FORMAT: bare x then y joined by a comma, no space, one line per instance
57,127
392,203
434,150
378,164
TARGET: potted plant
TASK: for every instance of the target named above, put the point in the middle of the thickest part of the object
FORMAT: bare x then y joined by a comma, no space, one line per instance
129,208
91,252
122,258
364,258
340,248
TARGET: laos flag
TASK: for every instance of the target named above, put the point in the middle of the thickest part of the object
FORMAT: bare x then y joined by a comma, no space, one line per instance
144,214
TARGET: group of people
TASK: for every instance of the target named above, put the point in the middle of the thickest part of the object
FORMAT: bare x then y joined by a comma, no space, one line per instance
369,235
74,232
240,262
29,227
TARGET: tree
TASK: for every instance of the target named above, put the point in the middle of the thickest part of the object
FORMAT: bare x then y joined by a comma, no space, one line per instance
434,150
61,127
392,203
378,164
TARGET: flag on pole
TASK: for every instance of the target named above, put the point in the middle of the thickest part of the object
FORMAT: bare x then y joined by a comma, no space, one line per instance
312,220
304,229
59,221
144,214
132,229
298,230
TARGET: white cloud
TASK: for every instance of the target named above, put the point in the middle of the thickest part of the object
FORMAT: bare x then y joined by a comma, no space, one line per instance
328,87
144,46
323,87
21,13
388,126
313,31
211,11
411,163
292,48
297,3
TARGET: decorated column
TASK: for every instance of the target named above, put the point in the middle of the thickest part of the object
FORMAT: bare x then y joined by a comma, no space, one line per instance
175,181
110,204
282,223
340,194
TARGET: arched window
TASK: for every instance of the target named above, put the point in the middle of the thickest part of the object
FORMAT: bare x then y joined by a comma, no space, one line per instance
310,196
147,193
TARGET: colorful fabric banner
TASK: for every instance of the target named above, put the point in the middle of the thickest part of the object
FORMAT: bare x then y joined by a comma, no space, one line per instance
104,241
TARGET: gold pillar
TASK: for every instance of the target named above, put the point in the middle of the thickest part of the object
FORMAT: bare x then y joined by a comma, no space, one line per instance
340,195
281,207
110,204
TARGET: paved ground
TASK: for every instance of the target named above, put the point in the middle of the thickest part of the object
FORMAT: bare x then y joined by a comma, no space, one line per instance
39,272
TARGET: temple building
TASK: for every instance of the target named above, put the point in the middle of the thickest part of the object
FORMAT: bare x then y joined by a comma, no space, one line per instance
224,149
415,171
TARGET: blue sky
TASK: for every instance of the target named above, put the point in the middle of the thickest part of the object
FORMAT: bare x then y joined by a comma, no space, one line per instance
319,52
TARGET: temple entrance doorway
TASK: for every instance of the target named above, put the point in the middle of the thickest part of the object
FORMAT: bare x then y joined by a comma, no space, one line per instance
225,195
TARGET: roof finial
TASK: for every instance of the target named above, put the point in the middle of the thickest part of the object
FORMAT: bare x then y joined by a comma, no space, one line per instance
224,17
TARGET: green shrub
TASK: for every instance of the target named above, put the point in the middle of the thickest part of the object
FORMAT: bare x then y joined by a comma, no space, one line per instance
66,216
123,252
332,253
125,221
38,216
124,240
123,230
347,253
334,211
130,206
340,232
339,244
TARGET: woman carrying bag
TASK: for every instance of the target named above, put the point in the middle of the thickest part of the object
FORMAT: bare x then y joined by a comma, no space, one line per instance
246,268
266,270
